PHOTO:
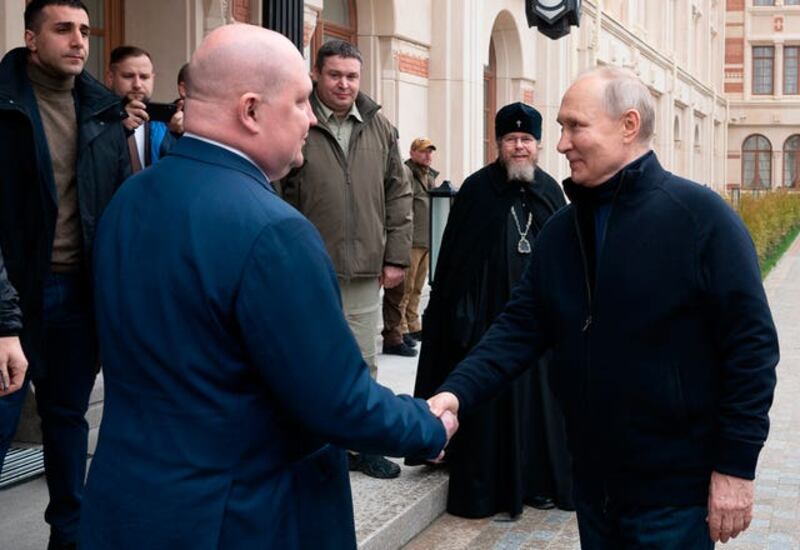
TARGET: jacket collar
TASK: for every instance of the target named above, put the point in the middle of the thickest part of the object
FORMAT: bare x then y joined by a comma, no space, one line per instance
417,171
639,175
94,99
365,105
208,153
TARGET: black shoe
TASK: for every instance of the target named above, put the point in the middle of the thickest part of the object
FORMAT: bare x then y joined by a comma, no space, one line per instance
416,335
353,462
378,467
409,341
400,349
542,503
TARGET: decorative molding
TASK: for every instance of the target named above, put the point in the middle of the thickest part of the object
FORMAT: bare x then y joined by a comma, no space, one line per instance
734,5
777,23
527,96
412,64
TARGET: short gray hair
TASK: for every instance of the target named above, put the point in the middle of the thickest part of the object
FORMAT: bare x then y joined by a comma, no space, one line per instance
624,90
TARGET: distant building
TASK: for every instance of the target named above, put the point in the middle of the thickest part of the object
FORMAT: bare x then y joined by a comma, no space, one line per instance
441,68
762,84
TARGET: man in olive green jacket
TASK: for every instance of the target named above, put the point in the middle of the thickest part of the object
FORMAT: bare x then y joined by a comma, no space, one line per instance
353,189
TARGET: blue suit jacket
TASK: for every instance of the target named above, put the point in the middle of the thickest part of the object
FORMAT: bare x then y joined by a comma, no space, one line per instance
231,376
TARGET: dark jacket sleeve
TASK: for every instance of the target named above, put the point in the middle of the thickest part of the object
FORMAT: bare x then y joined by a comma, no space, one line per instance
10,313
745,337
399,204
513,343
291,321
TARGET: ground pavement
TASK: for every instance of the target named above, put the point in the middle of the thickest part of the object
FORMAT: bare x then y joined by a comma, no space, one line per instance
776,523
389,513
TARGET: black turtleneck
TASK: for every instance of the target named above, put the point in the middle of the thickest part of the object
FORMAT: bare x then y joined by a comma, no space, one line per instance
598,200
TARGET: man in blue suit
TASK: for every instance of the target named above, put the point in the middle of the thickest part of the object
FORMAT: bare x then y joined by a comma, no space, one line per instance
232,379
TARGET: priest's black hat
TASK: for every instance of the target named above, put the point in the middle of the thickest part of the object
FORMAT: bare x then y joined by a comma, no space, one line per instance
518,117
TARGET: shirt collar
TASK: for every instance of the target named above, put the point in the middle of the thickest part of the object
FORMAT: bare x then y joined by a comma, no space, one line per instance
229,148
328,113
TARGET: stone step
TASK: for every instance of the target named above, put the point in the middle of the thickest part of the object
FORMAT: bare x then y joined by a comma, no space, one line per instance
390,512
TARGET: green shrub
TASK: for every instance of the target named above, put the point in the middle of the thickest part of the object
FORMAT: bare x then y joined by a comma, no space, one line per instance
771,218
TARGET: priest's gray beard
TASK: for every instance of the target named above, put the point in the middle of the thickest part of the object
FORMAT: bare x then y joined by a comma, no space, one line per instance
520,172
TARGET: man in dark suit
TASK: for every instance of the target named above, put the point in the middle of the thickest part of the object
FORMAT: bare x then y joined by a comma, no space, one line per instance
232,378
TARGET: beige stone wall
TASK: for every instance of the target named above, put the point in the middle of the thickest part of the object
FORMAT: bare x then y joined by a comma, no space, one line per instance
12,27
775,116
424,62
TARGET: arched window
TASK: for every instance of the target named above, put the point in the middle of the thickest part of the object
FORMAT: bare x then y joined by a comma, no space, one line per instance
756,162
337,20
791,161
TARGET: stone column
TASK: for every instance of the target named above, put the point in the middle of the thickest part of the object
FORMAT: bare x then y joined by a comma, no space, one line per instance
456,87
778,69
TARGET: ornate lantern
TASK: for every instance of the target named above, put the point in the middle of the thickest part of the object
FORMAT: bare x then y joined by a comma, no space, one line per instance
553,18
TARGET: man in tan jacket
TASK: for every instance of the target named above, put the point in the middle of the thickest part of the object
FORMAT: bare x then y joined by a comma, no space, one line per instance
353,189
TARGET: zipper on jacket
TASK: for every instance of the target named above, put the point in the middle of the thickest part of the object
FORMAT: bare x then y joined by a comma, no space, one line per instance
589,298
592,296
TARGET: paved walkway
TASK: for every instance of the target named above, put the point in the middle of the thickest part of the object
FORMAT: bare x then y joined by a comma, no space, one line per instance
776,523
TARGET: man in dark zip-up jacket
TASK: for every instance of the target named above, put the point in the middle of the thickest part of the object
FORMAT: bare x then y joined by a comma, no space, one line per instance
64,154
648,290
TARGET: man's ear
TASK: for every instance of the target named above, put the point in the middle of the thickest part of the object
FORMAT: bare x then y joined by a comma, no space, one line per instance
631,125
247,110
30,40
314,74
109,78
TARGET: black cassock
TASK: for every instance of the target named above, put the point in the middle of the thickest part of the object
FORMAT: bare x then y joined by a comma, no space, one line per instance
511,449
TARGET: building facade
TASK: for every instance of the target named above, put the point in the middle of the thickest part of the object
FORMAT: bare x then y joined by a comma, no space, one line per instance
762,84
442,68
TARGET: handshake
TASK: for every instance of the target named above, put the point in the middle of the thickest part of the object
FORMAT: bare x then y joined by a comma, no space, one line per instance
445,407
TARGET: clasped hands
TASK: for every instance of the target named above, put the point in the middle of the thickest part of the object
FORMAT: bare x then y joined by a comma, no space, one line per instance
445,407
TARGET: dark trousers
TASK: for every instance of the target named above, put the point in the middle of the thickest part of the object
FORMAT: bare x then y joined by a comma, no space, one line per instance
606,525
392,315
63,383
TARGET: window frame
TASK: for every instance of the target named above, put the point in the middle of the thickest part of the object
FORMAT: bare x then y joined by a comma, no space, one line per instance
796,57
757,153
796,154
771,59
348,34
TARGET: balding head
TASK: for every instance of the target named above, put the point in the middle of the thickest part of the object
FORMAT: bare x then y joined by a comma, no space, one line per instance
249,89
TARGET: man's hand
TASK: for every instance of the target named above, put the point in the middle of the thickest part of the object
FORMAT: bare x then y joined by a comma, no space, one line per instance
730,506
176,122
392,276
442,402
137,114
450,422
12,365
